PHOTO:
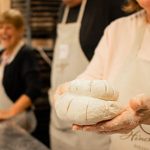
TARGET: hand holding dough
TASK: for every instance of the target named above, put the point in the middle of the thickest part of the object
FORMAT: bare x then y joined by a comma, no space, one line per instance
88,102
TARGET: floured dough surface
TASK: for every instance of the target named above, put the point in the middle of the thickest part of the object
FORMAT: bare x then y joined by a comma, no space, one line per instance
94,88
89,103
86,110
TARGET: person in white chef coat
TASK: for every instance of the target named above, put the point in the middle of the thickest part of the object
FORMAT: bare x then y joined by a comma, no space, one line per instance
123,58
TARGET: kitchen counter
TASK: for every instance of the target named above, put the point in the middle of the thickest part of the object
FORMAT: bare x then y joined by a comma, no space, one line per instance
13,137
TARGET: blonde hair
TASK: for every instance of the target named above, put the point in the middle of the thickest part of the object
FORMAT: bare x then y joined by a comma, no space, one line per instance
13,17
131,6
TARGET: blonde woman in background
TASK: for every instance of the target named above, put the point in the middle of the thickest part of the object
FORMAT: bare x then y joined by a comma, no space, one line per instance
19,81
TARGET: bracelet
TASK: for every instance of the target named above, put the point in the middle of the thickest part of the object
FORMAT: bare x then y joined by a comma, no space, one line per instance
144,130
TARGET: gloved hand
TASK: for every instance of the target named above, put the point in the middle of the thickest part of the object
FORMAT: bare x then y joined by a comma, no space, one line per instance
136,113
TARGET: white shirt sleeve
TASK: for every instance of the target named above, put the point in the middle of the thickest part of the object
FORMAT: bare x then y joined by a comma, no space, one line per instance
95,70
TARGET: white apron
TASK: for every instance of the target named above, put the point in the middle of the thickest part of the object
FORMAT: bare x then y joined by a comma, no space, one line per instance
26,120
69,61
133,79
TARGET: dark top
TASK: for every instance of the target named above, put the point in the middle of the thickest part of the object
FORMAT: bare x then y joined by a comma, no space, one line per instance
98,14
21,75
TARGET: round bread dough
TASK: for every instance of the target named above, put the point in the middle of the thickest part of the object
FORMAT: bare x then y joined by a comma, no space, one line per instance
85,110
88,102
94,88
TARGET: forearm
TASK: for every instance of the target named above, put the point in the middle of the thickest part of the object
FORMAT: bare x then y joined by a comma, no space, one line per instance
20,105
